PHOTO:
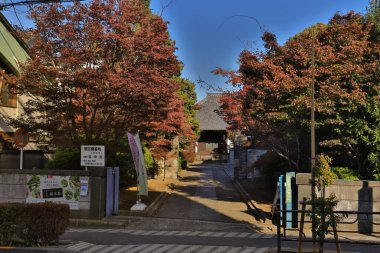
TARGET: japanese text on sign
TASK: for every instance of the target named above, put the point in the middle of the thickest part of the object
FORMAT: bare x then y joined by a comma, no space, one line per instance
92,155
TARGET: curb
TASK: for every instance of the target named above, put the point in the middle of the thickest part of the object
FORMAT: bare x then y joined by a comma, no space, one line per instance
118,221
37,250
96,223
152,208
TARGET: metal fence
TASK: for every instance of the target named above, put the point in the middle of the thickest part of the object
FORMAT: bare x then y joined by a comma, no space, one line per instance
281,223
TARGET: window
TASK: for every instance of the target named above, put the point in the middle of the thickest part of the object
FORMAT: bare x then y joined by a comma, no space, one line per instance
6,98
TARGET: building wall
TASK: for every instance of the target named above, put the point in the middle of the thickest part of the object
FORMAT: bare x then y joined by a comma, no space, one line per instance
359,196
33,159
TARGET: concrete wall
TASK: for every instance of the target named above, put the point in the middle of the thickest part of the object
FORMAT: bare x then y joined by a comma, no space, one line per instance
360,196
13,189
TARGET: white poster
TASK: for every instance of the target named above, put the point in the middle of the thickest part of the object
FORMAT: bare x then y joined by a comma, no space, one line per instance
57,189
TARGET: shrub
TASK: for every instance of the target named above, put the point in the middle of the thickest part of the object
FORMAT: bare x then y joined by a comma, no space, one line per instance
149,162
34,224
8,214
345,173
127,169
65,159
272,165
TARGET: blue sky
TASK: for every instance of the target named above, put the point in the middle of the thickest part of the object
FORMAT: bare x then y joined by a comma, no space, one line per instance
208,36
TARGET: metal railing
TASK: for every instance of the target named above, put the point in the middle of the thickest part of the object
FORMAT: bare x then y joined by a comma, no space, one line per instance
281,223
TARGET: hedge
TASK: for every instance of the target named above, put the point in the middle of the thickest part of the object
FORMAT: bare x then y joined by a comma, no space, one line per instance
33,224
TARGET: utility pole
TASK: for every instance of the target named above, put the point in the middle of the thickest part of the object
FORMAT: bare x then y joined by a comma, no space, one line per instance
312,134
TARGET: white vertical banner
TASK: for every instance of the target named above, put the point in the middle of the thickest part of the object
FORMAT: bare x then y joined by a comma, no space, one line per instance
138,159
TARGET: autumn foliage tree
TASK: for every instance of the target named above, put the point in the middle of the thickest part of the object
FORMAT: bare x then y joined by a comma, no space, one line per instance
97,70
273,103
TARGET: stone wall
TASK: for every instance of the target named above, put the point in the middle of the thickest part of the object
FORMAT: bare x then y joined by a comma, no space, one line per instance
359,196
13,188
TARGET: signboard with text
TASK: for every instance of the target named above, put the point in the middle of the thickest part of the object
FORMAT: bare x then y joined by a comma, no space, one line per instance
92,155
57,189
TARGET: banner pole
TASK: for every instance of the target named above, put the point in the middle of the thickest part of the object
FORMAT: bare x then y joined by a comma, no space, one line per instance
138,192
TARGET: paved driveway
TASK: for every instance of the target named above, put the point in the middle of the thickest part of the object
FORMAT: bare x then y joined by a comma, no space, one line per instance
206,193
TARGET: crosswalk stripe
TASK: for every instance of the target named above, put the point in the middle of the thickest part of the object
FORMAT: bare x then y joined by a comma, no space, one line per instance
249,250
231,234
193,248
160,233
206,234
164,248
176,233
194,233
94,249
109,248
220,249
85,247
172,232
184,232
206,249
149,232
255,235
123,248
80,246
178,248
242,235
261,250
233,250
151,248
116,230
100,230
137,232
219,234
138,248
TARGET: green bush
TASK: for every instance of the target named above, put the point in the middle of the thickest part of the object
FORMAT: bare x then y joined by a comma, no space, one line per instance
65,159
149,162
34,224
272,166
345,173
8,214
127,169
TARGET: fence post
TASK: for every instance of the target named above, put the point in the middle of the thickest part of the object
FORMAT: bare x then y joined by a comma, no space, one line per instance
278,231
301,225
336,238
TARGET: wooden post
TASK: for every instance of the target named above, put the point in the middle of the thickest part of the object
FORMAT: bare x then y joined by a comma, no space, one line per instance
278,231
302,222
336,238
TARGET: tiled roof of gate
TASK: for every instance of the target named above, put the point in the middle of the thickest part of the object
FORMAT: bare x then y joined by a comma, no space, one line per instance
207,114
